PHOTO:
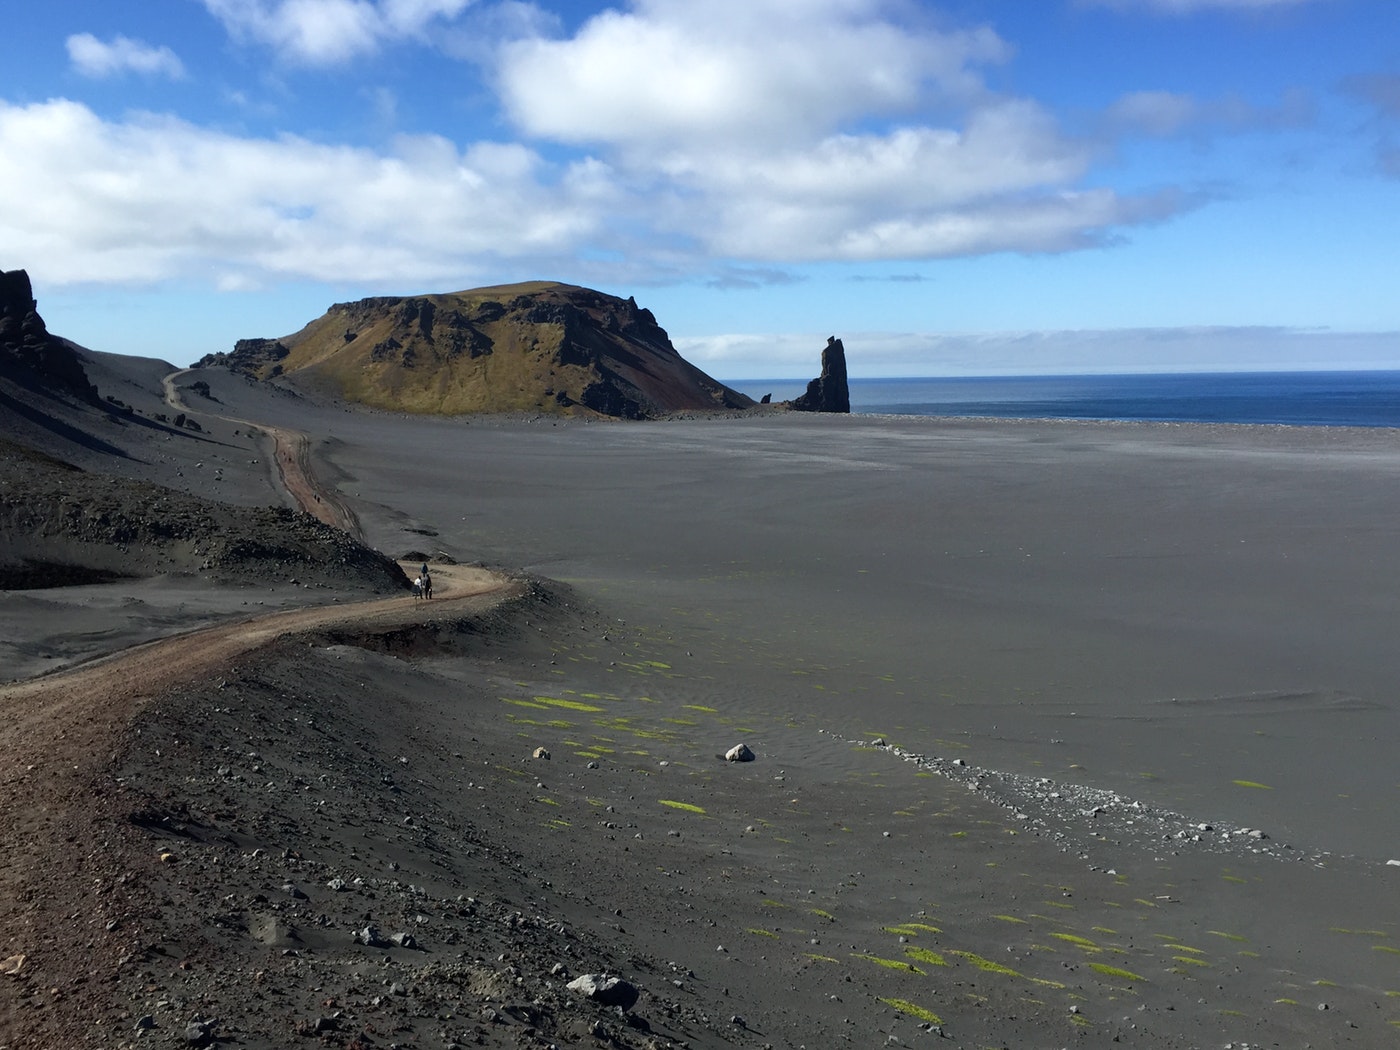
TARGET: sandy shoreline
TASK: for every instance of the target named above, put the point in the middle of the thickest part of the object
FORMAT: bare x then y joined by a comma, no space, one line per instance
998,677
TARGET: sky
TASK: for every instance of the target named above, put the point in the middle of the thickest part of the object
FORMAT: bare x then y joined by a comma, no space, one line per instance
952,188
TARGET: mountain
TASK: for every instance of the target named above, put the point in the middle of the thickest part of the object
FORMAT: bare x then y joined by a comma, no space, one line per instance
533,347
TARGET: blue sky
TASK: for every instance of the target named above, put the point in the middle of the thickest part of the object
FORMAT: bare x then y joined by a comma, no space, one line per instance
952,187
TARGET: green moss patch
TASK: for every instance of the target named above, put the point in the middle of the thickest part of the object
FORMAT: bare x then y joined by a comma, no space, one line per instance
1117,972
687,806
913,1010
889,964
923,955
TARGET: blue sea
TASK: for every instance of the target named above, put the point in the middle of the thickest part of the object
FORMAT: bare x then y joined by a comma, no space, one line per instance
1349,399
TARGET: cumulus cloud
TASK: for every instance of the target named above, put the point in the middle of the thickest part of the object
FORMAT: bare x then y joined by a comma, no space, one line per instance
98,59
329,32
775,132
147,200
727,70
725,140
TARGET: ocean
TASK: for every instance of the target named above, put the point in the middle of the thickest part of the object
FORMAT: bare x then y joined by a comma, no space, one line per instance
1350,399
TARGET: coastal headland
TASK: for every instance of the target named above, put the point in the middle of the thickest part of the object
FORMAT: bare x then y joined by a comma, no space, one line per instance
1064,734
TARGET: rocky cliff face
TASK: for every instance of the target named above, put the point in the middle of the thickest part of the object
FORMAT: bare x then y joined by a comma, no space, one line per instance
829,392
29,355
539,347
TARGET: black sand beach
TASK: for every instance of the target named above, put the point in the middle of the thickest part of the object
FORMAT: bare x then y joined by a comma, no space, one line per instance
1065,733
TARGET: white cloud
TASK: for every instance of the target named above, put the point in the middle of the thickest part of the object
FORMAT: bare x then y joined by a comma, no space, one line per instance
330,32
736,136
96,58
152,199
732,70
772,131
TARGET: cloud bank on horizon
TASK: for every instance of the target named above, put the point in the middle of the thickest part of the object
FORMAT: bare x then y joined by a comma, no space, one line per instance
743,166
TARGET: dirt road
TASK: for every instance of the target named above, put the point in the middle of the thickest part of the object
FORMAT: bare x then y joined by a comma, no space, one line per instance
292,456
62,829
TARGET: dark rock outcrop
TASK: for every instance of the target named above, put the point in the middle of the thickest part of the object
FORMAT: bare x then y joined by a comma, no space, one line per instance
829,392
248,356
29,355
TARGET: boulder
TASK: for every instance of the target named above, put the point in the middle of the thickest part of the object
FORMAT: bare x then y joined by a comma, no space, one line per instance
605,989
739,753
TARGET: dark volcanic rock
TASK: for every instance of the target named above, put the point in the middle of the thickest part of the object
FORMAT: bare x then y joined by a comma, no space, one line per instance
249,356
28,353
830,391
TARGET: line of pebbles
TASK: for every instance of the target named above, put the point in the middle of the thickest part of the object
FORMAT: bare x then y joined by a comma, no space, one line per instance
1086,818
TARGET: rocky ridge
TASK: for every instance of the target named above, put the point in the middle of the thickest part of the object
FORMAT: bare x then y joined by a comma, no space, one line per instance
541,347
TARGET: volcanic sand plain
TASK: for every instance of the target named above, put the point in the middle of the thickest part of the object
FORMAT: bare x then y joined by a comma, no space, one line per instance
1064,732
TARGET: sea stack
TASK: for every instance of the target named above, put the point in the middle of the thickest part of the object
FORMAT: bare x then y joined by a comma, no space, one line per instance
830,391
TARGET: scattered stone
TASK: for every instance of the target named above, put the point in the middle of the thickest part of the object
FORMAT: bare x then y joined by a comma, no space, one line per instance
404,940
13,964
541,752
369,936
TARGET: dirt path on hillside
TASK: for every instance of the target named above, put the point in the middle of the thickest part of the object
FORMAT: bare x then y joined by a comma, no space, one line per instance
292,457
61,837
60,817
